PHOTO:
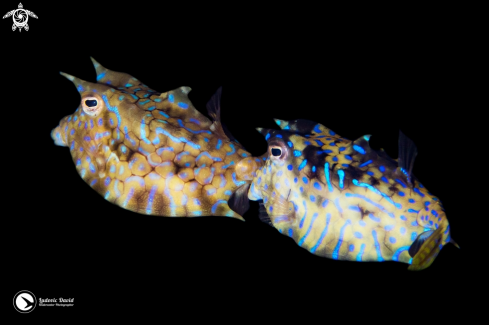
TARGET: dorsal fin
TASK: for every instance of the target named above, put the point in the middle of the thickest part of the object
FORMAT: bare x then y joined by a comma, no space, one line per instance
407,154
214,109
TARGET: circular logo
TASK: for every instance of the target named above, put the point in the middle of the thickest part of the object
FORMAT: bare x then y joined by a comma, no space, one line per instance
20,17
24,301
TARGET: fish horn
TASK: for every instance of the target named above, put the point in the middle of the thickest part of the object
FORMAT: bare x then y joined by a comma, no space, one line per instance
117,79
101,71
79,83
281,123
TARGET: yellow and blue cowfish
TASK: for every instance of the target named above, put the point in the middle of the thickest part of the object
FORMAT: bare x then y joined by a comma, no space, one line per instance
343,200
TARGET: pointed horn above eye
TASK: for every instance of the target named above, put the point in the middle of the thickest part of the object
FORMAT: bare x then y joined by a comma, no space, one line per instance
114,78
263,131
101,71
279,122
67,76
79,83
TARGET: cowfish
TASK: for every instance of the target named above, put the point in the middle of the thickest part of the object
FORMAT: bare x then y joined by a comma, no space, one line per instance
154,153
342,200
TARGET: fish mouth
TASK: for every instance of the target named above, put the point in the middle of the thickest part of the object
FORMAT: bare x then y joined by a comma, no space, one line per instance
58,136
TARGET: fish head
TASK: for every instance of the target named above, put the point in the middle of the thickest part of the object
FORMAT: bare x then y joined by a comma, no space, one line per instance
91,111
290,177
113,118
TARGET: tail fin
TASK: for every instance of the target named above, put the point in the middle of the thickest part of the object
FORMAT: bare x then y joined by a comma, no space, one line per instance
428,251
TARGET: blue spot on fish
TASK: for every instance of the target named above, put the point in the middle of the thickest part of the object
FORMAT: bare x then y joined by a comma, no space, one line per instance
359,149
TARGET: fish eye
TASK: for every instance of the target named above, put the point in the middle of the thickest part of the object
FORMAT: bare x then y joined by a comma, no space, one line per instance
92,104
276,152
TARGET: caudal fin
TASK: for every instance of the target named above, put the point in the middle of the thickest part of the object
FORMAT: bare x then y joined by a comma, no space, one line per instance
428,251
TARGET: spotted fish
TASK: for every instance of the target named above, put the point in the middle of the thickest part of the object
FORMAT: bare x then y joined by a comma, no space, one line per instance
343,200
154,153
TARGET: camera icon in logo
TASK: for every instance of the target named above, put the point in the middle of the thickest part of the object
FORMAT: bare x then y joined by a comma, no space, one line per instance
25,301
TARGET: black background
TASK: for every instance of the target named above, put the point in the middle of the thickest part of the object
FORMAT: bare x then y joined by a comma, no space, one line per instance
354,73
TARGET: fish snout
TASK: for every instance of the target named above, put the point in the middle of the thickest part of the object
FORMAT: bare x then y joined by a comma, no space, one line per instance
59,135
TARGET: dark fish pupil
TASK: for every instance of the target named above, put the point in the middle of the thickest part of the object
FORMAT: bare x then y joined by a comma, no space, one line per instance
276,152
91,102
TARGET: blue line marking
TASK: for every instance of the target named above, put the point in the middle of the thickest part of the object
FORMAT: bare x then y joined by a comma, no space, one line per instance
374,218
171,98
366,163
418,191
149,207
373,189
301,241
114,110
340,240
183,105
214,207
302,165
297,153
341,174
401,182
326,174
377,246
237,183
164,114
398,252
226,166
359,256
100,76
128,197
323,234
359,149
160,130
232,147
337,204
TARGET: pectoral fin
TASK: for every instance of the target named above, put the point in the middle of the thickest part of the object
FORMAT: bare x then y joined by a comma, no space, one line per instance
239,202
262,213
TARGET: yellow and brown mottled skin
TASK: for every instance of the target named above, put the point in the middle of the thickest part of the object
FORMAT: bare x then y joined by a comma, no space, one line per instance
153,153
343,200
